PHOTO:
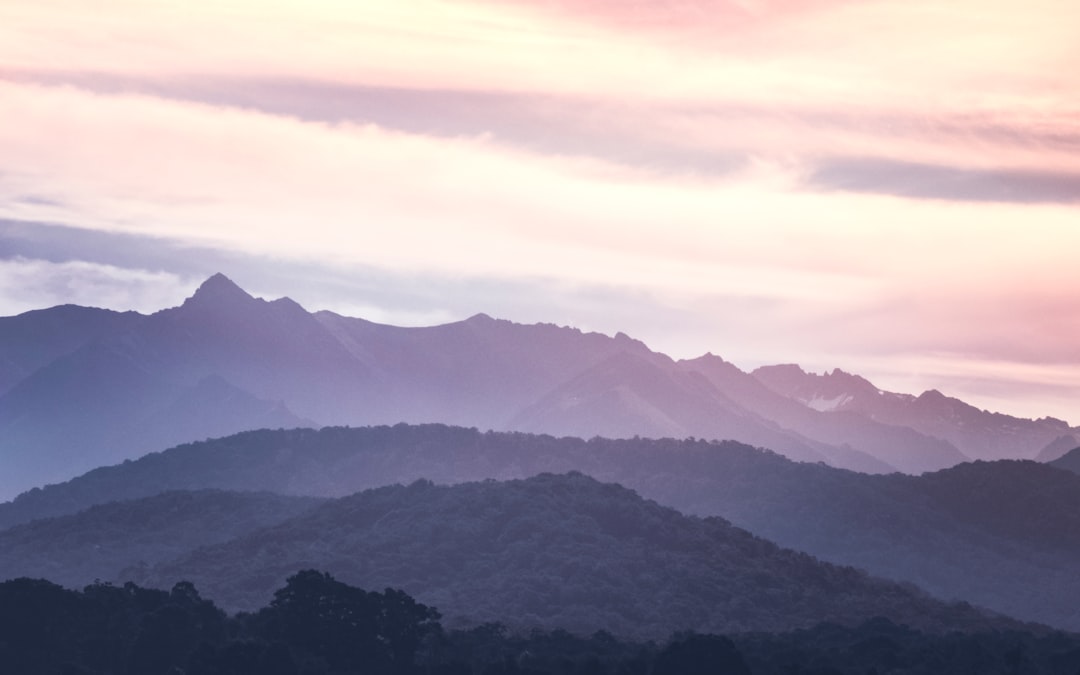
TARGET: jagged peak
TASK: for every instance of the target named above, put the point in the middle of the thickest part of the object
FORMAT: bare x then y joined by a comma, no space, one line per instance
624,338
784,368
707,357
843,376
288,303
218,290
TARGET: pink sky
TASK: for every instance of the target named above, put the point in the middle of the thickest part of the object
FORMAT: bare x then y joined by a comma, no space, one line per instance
889,187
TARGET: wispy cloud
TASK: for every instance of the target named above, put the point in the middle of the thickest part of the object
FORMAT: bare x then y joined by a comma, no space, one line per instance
947,183
832,182
360,194
35,284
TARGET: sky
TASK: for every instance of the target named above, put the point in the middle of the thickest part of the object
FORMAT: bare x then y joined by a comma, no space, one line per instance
889,187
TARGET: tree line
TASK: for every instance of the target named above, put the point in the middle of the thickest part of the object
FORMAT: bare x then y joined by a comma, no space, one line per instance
317,625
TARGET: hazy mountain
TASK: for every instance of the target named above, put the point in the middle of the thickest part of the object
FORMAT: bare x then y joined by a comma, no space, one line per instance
214,407
1058,448
840,431
555,551
480,371
1070,461
115,386
978,434
1001,534
496,374
101,404
34,339
647,395
100,542
275,350
337,461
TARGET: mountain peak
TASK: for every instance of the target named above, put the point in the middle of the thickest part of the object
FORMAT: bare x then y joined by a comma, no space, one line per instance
216,283
218,290
787,369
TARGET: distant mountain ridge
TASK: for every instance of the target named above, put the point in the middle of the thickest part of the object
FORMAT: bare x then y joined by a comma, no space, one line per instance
34,339
114,386
1004,535
1070,461
977,433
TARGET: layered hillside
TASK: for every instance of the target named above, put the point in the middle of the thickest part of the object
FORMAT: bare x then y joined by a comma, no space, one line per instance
998,534
103,541
556,551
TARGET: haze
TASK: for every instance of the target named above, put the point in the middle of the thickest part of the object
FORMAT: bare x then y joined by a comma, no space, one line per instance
887,187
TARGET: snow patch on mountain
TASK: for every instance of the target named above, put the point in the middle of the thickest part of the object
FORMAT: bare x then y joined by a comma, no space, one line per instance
822,404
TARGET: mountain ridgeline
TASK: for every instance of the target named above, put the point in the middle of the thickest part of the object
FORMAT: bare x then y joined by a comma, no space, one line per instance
81,388
1004,535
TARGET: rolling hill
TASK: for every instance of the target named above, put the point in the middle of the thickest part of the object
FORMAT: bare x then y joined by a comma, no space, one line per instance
999,534
100,542
555,551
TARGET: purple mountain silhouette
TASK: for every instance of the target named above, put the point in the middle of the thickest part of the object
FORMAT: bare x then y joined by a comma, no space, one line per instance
80,388
978,434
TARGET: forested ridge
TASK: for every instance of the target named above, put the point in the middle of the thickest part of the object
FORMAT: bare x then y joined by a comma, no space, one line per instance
552,551
557,551
1013,522
104,540
317,625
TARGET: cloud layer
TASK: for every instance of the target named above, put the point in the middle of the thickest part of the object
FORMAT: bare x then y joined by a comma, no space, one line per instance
888,187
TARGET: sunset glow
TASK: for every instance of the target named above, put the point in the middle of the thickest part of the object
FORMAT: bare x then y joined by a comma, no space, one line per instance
889,187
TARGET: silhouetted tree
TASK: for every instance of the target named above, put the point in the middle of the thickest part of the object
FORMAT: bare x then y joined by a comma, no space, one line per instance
701,655
328,622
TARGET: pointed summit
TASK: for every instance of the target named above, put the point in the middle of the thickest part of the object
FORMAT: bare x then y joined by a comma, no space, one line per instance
218,291
219,283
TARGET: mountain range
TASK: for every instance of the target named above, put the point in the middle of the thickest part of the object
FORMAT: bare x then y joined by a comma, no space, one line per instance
83,387
1003,535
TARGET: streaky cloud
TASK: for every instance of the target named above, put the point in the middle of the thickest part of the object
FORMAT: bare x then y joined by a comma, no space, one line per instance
41,283
925,181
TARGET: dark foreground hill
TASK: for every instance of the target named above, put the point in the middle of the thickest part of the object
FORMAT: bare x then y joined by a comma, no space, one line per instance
999,534
316,625
556,551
